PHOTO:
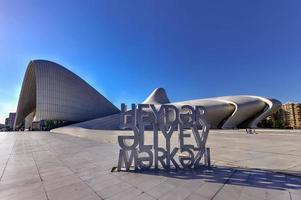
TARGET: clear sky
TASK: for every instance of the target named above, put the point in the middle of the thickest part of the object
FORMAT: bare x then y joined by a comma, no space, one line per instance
125,49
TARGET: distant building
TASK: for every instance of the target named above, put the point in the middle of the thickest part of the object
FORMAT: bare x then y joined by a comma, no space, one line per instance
10,121
6,122
2,126
291,114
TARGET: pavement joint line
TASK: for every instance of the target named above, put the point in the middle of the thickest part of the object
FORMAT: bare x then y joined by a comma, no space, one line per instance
226,182
294,166
290,195
7,161
40,176
264,151
75,174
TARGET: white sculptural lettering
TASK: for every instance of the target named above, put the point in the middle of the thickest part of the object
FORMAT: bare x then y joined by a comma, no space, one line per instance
165,120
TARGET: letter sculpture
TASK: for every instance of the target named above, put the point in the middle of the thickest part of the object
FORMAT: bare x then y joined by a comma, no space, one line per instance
165,120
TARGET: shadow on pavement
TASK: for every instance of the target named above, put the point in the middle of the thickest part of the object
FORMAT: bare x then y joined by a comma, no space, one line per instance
234,176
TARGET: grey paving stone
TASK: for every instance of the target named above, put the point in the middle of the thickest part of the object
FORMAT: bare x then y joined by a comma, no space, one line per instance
74,192
68,167
161,189
59,182
112,190
144,196
128,194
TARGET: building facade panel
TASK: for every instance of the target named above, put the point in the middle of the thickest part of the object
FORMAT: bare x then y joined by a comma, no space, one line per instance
230,112
291,114
54,93
51,92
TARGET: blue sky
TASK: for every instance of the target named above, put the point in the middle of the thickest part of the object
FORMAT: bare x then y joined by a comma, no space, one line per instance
125,49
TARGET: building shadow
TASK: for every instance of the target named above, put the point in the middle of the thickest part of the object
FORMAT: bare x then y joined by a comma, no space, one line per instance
234,176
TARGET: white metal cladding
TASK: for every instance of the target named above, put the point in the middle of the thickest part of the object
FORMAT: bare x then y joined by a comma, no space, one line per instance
55,93
273,106
227,112
231,112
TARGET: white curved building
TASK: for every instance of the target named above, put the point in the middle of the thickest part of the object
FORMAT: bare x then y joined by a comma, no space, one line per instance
50,92
229,112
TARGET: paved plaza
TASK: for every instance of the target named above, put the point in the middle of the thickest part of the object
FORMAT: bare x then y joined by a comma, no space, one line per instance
77,165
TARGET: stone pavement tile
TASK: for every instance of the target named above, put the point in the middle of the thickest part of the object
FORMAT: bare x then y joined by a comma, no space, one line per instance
61,182
7,189
296,168
13,171
240,177
234,186
128,194
100,177
161,189
92,198
194,196
277,195
91,173
71,161
177,188
106,165
55,173
20,151
208,190
21,196
235,155
286,147
109,191
20,177
4,184
77,191
20,163
144,196
19,168
270,162
49,166
268,180
178,193
145,182
99,183
175,182
54,169
295,194
232,192
81,157
250,193
129,176
25,192
296,151
194,184
82,167
22,157
45,157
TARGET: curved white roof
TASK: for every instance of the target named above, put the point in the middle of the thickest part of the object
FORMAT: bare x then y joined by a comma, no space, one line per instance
52,92
228,112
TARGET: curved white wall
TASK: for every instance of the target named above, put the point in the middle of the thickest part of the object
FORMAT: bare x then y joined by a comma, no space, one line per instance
52,92
55,93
